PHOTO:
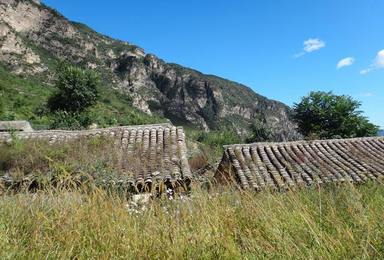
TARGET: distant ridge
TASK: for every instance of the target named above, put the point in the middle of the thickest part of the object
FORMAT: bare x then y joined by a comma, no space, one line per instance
33,37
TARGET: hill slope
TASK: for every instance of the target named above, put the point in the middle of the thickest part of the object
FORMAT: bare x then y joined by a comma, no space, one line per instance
33,37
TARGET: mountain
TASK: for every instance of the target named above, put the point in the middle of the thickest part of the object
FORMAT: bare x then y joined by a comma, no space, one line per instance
33,37
380,133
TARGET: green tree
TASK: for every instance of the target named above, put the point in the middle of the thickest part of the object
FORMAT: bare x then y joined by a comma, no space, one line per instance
77,89
326,115
260,132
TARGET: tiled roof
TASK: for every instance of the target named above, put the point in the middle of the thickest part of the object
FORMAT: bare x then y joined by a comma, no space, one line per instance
287,164
160,150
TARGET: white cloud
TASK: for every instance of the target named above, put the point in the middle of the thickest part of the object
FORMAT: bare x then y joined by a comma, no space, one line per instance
365,71
345,62
379,60
298,55
311,45
378,63
366,94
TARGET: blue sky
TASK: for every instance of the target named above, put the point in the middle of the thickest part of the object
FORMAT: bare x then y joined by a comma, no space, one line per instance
281,49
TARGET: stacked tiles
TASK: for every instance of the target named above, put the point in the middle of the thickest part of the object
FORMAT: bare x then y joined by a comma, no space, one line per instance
285,165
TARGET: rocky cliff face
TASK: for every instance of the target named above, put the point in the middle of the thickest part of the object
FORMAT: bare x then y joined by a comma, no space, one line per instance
33,37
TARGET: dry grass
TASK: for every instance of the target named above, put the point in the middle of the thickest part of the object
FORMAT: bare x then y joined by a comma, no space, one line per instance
343,222
31,157
90,222
32,163
198,161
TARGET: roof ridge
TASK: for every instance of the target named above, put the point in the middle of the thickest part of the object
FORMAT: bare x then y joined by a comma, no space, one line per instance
58,131
303,142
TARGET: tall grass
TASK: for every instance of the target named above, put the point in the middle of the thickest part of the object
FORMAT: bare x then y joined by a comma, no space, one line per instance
23,158
92,221
331,222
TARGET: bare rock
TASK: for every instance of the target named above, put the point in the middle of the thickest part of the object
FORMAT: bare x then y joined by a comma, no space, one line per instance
183,95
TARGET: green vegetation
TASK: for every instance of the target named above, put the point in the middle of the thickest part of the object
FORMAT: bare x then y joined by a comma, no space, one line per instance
78,90
326,115
21,98
115,108
210,145
25,99
260,133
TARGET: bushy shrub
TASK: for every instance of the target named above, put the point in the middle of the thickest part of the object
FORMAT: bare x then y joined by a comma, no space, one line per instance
70,120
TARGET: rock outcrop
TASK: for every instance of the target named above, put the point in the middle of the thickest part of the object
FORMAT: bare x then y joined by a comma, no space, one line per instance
34,36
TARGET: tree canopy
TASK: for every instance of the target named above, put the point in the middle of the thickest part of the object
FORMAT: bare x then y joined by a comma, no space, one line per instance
77,89
326,115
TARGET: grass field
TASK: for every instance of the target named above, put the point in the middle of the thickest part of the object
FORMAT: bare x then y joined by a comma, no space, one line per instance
331,222
96,221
